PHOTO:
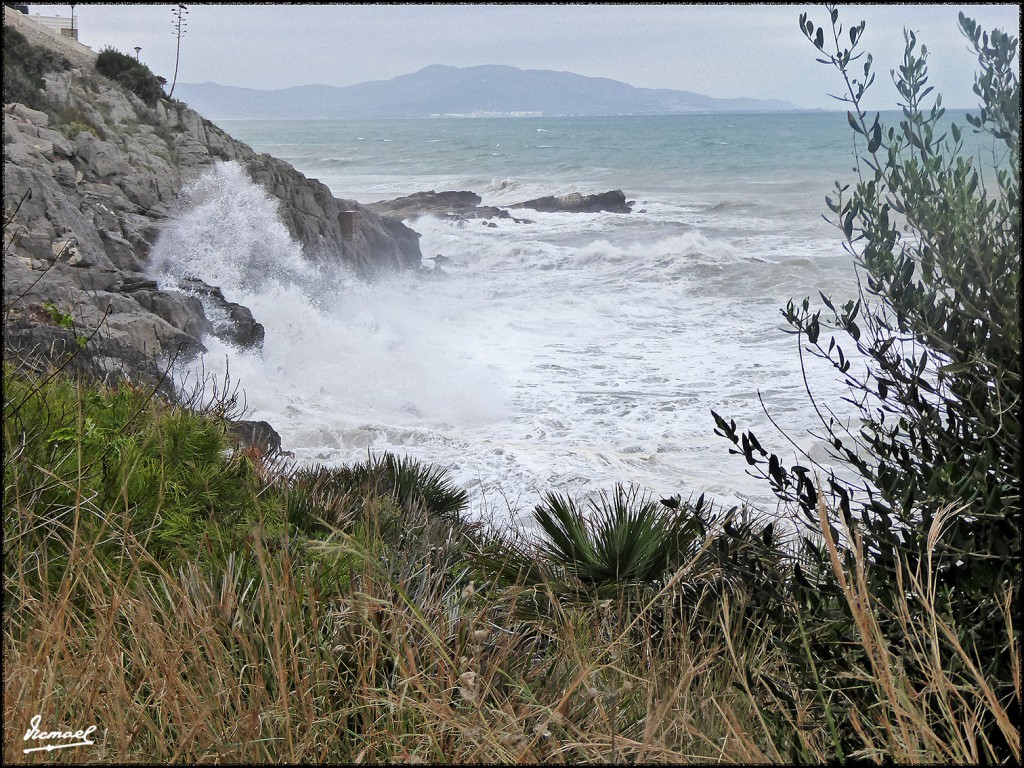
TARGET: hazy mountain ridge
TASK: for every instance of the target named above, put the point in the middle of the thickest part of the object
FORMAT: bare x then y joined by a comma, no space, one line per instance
446,90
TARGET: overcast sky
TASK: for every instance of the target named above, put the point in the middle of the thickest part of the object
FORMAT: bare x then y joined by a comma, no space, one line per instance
720,50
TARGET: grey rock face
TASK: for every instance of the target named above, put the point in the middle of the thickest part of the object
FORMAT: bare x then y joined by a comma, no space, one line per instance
50,311
312,214
88,183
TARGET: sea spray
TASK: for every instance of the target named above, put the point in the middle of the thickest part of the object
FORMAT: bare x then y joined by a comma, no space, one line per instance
228,233
343,361
567,352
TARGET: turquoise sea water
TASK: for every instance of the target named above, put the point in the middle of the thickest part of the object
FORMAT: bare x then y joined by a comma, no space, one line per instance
567,353
786,160
667,152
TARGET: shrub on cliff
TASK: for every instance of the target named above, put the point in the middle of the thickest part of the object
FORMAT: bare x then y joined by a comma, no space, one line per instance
75,452
132,74
24,67
936,324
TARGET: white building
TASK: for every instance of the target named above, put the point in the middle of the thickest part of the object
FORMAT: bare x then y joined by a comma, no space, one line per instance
50,30
61,25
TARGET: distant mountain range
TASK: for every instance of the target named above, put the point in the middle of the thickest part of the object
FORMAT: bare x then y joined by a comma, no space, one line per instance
491,90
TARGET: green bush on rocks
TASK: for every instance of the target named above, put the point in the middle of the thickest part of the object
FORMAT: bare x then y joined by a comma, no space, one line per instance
24,67
132,74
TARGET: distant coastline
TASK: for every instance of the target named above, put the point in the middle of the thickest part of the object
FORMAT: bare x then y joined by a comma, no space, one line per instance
482,91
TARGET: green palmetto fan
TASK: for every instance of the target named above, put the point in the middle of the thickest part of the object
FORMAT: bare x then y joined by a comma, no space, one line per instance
411,482
619,538
339,493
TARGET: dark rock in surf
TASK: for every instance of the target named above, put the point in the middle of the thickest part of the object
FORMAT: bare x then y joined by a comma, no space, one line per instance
457,206
230,322
255,434
612,202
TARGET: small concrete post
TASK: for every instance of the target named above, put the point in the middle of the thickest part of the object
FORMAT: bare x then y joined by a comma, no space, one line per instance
347,220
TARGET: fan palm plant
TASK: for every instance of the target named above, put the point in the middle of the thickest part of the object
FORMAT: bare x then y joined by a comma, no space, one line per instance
412,483
340,493
619,538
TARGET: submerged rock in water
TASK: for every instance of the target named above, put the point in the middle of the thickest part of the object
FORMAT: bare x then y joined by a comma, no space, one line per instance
460,206
613,202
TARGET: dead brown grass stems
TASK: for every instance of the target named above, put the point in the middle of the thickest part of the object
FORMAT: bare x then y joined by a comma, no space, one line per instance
273,657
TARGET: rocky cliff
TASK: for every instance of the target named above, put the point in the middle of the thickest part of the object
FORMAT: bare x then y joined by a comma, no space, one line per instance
90,175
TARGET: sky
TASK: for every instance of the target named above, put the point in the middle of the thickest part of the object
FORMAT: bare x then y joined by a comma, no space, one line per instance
726,51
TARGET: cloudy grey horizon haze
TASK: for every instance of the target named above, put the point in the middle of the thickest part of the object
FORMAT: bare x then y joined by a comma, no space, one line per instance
725,51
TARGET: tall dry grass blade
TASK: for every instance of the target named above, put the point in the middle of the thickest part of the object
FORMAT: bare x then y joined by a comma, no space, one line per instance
870,635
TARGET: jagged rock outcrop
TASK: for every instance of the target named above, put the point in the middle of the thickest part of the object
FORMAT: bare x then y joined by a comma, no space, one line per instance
460,206
446,205
613,202
314,218
90,177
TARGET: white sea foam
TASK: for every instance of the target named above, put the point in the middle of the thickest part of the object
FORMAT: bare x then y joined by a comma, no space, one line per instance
568,353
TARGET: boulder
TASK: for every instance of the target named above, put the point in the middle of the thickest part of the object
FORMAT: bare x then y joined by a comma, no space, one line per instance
258,435
613,202
448,205
230,322
32,116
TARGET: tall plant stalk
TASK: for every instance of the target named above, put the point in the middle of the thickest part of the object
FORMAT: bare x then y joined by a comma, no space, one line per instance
180,12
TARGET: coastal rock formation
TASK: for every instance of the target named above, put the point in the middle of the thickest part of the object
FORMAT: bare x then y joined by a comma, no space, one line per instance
258,435
446,205
460,206
90,175
316,219
613,202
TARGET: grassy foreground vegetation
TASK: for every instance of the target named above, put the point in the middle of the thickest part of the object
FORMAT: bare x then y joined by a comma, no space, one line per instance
197,605
201,603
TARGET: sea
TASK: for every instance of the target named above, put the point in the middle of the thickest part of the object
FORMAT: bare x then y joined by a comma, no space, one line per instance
565,353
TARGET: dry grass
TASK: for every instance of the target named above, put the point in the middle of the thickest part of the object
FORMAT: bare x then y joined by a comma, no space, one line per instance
198,668
349,649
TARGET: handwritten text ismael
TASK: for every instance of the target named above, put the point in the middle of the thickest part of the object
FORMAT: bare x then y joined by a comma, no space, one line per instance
81,737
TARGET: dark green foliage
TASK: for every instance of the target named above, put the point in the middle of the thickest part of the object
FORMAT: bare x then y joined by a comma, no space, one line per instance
752,558
411,483
78,457
390,516
24,67
670,562
133,75
618,539
317,495
71,121
338,495
936,327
